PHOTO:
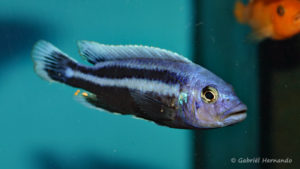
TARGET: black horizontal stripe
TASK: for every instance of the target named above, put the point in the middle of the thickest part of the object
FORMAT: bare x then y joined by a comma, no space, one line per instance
118,72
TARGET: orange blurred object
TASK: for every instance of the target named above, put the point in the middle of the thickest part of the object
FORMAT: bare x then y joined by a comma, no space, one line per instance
276,19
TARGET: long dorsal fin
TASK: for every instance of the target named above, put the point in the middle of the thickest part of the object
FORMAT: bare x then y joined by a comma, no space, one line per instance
95,52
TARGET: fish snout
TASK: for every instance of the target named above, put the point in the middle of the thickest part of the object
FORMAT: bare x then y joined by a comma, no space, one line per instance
235,114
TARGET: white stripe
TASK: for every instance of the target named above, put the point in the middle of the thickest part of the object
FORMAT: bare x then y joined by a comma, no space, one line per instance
143,85
69,72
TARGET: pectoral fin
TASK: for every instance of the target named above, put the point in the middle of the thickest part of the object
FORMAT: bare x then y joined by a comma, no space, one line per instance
153,107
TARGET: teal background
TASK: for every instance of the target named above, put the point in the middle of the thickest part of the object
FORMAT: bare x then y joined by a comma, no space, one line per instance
42,127
225,47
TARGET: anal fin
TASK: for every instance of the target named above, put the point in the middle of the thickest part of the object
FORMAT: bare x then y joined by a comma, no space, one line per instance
98,102
88,99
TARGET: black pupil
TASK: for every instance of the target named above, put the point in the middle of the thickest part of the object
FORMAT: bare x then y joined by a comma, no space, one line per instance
280,10
209,95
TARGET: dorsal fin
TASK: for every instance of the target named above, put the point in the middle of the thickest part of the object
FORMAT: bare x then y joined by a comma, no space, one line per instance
95,52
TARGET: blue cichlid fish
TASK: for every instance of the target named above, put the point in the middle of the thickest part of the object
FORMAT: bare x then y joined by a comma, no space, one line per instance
147,82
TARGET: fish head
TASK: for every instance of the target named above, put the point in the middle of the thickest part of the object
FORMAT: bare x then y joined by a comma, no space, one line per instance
214,104
286,18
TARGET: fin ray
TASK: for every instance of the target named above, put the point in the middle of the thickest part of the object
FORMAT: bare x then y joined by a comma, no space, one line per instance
88,99
95,52
50,63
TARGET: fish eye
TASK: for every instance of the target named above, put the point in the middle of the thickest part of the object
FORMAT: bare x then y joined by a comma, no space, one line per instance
209,94
280,10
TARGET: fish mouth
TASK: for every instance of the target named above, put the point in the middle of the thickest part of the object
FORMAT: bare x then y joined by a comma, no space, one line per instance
235,115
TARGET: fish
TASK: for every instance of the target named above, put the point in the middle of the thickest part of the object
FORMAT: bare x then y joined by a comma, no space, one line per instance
146,82
274,19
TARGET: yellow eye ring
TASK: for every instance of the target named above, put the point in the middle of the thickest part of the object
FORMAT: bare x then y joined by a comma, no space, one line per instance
209,94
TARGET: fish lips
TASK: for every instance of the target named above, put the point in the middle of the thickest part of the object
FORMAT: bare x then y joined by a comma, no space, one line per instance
235,115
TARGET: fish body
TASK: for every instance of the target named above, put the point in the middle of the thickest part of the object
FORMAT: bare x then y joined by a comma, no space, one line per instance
275,19
149,83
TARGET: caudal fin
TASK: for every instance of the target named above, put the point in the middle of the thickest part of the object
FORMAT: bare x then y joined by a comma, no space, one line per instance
50,63
240,12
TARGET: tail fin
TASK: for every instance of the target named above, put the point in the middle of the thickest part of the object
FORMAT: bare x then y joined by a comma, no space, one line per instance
50,63
240,12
